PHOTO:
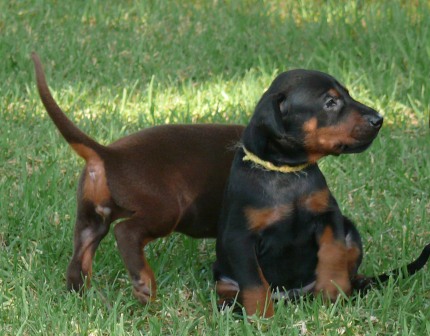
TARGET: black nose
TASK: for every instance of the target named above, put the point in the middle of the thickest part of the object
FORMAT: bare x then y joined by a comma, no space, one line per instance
375,120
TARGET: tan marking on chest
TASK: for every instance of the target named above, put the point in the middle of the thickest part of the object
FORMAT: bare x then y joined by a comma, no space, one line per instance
316,201
259,219
95,187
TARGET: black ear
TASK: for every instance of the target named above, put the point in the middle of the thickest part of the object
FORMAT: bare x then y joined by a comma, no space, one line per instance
268,115
266,124
283,105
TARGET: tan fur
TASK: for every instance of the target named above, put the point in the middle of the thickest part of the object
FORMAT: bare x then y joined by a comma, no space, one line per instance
353,253
257,300
226,289
334,93
321,141
87,268
95,186
316,201
332,269
147,280
259,219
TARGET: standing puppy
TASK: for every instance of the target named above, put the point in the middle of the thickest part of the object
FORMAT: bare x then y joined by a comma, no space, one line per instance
280,225
156,181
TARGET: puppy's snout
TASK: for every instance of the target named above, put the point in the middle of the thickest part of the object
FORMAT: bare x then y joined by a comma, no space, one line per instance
375,120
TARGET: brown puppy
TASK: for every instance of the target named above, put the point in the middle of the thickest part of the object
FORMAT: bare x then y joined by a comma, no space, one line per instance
159,180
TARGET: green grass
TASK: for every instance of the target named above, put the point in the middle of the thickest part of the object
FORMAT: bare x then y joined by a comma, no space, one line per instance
119,66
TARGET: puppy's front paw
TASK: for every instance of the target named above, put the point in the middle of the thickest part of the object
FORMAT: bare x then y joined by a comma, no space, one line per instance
143,294
224,304
143,289
331,289
76,279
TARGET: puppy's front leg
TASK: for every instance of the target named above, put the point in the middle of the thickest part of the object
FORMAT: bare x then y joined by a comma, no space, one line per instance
255,293
132,236
333,266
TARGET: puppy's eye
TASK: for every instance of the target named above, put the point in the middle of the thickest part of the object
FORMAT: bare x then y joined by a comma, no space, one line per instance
330,103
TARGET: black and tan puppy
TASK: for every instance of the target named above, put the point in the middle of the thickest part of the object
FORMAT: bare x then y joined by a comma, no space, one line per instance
159,180
280,226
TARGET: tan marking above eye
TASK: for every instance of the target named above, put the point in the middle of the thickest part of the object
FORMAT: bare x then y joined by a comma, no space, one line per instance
334,93
259,219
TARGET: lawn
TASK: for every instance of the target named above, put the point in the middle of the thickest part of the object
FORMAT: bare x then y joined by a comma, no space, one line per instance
119,66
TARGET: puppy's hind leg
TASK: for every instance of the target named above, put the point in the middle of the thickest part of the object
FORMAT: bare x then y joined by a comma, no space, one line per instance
92,225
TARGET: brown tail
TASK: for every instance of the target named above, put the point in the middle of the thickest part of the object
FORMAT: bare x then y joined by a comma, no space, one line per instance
363,284
73,135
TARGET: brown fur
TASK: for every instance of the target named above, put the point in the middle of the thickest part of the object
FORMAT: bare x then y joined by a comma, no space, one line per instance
153,182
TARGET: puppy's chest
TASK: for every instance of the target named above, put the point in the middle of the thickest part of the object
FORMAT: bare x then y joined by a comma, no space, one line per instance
289,205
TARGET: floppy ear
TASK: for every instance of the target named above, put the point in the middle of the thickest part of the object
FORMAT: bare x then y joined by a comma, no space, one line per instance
268,115
283,105
266,123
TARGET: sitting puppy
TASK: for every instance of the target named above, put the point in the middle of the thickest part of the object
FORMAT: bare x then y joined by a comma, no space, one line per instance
156,181
280,227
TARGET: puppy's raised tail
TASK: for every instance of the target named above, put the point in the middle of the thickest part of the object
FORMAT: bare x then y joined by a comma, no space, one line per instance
363,284
78,140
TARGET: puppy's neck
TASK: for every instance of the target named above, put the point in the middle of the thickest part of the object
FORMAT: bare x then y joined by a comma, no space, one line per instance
285,151
267,165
